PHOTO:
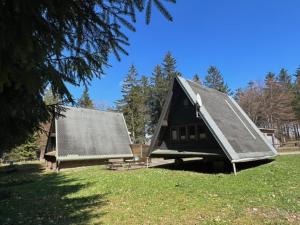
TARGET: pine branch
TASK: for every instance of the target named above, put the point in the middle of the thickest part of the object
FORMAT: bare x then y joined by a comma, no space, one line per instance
148,12
163,10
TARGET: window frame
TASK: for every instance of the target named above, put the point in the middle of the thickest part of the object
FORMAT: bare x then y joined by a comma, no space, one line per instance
185,133
171,134
201,130
195,132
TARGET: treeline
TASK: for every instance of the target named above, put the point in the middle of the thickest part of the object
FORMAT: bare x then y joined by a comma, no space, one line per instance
143,96
271,103
274,103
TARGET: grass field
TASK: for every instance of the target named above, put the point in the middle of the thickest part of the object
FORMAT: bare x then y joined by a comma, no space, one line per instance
268,194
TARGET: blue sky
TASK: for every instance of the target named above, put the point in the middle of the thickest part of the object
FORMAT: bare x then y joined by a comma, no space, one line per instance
245,39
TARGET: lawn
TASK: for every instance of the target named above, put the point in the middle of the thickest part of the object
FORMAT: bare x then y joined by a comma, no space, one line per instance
267,194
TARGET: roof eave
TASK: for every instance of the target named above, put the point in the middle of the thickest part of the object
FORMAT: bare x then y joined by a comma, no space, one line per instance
253,159
92,157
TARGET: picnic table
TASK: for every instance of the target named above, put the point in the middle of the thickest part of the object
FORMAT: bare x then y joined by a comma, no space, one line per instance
117,163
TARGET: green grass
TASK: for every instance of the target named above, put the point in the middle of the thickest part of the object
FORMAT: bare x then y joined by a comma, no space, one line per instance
268,194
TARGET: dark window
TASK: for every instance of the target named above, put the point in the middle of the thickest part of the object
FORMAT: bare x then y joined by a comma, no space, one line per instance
174,135
192,132
202,134
182,132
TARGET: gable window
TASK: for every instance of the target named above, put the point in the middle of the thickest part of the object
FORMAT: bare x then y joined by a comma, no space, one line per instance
201,132
192,132
182,133
202,136
174,134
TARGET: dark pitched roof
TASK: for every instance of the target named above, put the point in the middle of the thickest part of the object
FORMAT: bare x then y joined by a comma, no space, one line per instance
238,136
91,134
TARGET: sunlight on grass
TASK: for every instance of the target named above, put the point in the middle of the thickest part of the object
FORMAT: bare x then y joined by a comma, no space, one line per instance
268,194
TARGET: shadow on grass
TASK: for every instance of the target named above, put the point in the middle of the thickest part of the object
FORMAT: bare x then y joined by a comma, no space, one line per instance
201,166
30,197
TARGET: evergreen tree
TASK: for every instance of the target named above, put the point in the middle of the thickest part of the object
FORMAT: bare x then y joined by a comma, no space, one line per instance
26,151
62,43
169,67
161,78
85,101
215,80
133,105
270,78
158,92
196,78
285,79
144,110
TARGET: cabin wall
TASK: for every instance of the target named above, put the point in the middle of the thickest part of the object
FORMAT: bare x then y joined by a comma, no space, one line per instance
81,163
191,132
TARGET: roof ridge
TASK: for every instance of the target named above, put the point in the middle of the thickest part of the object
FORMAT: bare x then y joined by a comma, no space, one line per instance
208,88
105,111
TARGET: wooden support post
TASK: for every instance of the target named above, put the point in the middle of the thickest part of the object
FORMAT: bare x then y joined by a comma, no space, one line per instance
234,168
57,166
147,162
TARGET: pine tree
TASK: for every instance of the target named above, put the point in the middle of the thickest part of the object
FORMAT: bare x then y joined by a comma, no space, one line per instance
26,151
169,67
143,107
215,80
85,101
133,105
158,92
196,78
161,78
63,43
284,78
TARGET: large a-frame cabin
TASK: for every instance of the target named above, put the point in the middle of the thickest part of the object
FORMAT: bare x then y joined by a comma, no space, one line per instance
201,122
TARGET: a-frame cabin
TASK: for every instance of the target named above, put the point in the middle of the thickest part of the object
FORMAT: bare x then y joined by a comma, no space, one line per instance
201,122
87,136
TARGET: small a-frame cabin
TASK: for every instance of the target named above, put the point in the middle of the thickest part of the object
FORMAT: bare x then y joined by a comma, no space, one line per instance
86,137
201,122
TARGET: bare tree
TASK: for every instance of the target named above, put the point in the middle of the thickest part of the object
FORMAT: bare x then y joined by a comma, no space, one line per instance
251,100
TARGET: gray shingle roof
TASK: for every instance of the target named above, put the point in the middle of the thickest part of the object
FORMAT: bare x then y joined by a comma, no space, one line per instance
91,134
